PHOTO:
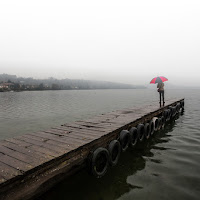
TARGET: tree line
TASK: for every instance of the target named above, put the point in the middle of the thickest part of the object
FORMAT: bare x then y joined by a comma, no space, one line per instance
21,83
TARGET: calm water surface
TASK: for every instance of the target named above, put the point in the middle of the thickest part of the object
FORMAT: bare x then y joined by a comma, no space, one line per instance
165,167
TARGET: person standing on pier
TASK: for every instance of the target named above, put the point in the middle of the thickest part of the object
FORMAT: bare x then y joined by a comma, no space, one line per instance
160,87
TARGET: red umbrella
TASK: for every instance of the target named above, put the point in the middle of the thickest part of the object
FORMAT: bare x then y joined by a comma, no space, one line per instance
158,79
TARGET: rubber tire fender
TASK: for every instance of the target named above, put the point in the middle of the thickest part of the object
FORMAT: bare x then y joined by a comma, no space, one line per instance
124,139
182,104
178,107
165,114
162,122
169,114
147,130
152,127
155,120
99,157
114,149
173,111
140,131
133,136
159,123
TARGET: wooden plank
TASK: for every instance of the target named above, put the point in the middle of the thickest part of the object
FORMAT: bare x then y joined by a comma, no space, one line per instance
40,149
65,138
51,150
80,133
80,130
82,127
40,156
43,143
45,151
68,134
67,141
20,156
51,142
89,125
74,133
8,172
20,143
17,164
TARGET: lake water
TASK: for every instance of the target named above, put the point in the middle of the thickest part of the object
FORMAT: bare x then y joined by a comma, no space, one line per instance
165,167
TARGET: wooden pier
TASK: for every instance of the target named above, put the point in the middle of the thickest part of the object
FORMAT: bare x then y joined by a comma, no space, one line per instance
32,163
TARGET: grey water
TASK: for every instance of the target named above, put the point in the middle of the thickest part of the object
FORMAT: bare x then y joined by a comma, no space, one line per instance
164,167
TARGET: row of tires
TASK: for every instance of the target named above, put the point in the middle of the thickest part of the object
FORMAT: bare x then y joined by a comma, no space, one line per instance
101,158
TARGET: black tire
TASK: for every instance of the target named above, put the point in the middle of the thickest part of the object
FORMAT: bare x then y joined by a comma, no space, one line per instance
165,115
173,112
140,132
124,139
114,149
133,136
178,107
147,130
169,114
155,120
159,123
152,127
162,122
182,104
99,162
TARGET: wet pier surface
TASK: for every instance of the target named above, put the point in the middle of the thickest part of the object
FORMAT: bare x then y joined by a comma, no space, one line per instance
32,163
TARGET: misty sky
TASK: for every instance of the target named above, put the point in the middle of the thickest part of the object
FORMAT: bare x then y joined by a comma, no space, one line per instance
121,41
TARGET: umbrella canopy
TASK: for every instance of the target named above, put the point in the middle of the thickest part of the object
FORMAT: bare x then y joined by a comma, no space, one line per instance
158,79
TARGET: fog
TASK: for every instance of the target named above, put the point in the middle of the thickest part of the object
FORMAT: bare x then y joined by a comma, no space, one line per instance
120,41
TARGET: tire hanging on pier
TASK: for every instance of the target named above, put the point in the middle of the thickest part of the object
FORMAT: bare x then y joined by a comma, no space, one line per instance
114,149
147,130
182,104
178,106
165,115
173,112
159,123
162,122
168,115
124,139
133,136
99,162
152,127
140,130
155,120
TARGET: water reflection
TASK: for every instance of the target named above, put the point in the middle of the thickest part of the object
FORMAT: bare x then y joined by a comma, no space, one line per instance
116,182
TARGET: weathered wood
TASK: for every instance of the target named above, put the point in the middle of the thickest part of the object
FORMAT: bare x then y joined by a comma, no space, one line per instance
80,133
20,156
18,142
50,142
17,164
69,141
68,134
8,172
29,152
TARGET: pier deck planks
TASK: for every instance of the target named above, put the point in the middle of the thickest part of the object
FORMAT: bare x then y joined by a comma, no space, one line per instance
35,158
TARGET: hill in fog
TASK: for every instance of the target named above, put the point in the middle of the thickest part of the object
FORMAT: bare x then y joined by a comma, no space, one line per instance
52,83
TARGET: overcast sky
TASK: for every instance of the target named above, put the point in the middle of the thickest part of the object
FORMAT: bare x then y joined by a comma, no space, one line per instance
121,41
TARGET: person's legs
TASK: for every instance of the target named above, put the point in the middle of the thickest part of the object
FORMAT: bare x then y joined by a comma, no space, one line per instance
163,97
160,98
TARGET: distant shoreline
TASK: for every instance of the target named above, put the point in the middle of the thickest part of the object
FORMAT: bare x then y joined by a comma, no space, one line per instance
71,89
